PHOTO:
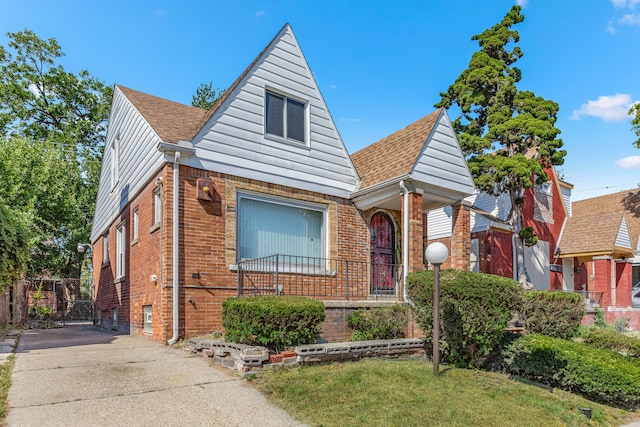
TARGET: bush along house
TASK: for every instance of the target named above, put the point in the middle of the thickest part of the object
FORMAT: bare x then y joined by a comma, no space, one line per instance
258,195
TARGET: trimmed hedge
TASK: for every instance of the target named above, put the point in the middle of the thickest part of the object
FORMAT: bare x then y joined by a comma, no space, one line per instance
474,310
276,322
378,323
553,313
611,340
598,374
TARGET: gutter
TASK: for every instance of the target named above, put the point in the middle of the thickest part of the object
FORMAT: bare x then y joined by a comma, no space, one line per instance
175,254
405,240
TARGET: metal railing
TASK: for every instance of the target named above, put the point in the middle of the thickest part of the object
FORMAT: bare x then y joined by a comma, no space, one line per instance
324,278
592,299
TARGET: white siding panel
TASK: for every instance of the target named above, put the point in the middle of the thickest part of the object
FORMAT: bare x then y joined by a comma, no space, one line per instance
497,206
439,223
442,163
139,160
233,141
622,239
566,198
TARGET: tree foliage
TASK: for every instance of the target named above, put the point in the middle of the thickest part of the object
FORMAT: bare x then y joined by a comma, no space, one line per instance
206,96
52,130
634,112
14,244
507,135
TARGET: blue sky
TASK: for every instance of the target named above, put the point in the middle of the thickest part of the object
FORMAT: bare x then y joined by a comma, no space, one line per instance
379,64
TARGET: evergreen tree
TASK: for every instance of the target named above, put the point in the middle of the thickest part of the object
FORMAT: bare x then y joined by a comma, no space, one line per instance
501,126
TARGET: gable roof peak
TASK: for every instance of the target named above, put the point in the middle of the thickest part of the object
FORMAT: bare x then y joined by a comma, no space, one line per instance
396,154
227,93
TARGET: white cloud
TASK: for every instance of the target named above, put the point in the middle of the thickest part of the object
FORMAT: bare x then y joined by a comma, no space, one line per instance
623,4
523,3
161,12
332,87
630,19
350,120
631,162
260,13
610,28
613,108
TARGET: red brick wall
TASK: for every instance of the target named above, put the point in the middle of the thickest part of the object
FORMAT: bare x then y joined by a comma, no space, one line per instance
335,329
601,280
461,238
142,259
416,233
623,284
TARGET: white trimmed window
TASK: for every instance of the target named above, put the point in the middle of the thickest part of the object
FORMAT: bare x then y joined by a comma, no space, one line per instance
134,227
285,117
270,226
157,205
105,248
121,236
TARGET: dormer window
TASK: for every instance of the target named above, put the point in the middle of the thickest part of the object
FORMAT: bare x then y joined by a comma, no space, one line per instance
285,117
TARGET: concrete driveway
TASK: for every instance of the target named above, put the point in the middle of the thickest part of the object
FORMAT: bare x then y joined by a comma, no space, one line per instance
81,375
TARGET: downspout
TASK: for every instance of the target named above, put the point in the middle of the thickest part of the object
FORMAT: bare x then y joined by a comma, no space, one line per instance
405,241
176,233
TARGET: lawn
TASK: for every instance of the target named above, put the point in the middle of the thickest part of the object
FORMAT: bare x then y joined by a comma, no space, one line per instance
5,380
378,392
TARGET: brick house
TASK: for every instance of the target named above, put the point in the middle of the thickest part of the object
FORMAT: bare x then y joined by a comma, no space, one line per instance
259,195
546,208
600,253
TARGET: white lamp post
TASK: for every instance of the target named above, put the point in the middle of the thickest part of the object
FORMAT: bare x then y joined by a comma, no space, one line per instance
436,253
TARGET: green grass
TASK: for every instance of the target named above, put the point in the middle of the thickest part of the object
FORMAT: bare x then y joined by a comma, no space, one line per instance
5,380
378,392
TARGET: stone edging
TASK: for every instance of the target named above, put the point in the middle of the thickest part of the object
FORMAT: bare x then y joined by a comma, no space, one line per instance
8,345
248,359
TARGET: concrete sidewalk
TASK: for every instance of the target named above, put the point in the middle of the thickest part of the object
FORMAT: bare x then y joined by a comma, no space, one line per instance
82,375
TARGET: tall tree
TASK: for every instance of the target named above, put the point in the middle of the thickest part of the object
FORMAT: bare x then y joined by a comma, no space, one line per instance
634,112
66,114
500,126
206,96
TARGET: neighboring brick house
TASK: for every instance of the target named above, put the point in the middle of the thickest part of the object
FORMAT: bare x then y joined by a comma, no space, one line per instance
259,195
546,208
600,250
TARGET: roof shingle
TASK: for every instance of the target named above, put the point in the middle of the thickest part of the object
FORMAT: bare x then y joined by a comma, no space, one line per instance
394,155
171,120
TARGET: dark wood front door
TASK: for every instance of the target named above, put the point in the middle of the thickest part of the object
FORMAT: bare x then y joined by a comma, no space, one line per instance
382,250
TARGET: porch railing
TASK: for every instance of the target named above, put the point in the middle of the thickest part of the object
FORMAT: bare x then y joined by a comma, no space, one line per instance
323,278
592,299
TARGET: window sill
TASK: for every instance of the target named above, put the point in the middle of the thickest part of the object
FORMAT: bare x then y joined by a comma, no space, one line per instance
104,264
134,241
292,142
155,227
288,269
119,280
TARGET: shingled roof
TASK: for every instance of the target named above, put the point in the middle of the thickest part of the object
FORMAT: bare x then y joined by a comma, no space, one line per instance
595,222
171,120
394,155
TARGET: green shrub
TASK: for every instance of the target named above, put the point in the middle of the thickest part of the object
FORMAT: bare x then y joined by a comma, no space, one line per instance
276,322
474,310
614,341
379,323
556,314
598,374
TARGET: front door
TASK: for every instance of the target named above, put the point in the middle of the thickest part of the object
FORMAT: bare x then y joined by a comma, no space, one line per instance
382,249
